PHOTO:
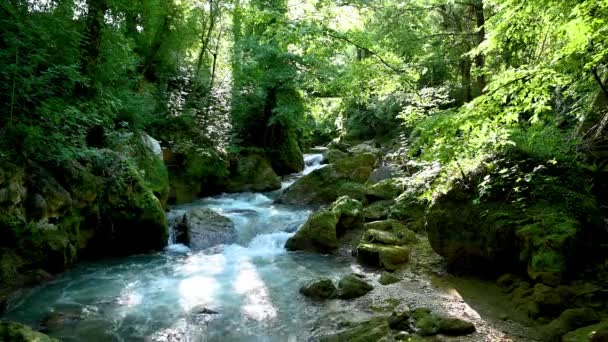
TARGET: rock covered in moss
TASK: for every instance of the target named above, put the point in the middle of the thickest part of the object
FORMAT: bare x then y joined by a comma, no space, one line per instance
318,234
386,189
375,329
345,177
284,151
377,210
380,237
252,173
593,333
387,278
396,228
428,324
202,228
15,332
352,286
320,289
388,257
333,155
569,320
349,213
383,172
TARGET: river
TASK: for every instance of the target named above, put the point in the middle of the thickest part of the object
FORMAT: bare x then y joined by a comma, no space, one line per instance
241,292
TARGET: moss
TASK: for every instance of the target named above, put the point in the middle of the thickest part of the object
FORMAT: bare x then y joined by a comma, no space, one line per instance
320,289
318,234
372,330
351,286
349,213
15,332
252,173
388,257
593,333
386,189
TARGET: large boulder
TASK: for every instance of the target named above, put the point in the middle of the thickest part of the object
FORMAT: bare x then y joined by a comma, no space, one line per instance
382,173
428,323
569,320
283,150
318,234
202,228
592,333
396,228
390,258
15,332
252,173
345,177
377,210
386,189
352,286
333,155
349,213
320,289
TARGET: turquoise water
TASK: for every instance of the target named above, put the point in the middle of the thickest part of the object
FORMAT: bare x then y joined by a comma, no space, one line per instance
247,291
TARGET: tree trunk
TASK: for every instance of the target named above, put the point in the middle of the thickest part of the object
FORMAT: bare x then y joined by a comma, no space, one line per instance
480,60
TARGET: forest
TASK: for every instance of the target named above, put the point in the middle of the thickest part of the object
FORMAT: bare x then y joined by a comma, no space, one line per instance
303,170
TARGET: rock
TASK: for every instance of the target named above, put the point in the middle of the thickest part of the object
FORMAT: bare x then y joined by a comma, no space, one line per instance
15,332
325,185
410,210
252,173
338,145
284,151
380,237
377,211
382,173
349,213
429,324
320,289
569,320
545,301
400,321
387,278
202,228
153,145
592,333
376,329
351,286
385,190
365,148
318,234
405,235
333,155
455,327
387,257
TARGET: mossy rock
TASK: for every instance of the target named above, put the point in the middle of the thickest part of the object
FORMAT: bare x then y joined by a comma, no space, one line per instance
405,235
349,213
133,219
387,278
593,333
322,186
252,173
377,210
386,189
333,155
352,286
376,329
428,324
320,289
569,320
284,152
388,257
318,234
15,332
380,237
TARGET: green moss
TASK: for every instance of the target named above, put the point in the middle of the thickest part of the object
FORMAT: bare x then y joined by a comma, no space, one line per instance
318,234
388,257
373,330
15,332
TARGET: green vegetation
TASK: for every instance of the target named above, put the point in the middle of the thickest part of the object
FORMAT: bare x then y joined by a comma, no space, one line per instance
489,118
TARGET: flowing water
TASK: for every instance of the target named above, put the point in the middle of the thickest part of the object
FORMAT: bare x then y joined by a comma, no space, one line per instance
247,291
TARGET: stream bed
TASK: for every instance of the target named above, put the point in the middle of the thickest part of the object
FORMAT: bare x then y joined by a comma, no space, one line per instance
247,291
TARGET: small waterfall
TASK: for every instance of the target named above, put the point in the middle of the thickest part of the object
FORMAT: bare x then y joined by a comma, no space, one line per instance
312,162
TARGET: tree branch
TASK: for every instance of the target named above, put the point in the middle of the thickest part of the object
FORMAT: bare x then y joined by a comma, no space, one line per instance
335,35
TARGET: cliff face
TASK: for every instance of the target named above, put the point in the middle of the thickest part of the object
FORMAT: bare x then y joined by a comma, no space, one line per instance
104,203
